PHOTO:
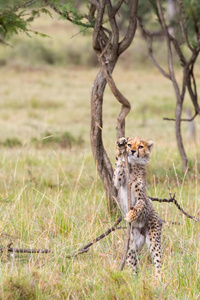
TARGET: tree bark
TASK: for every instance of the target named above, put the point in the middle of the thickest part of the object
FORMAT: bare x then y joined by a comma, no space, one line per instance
179,139
104,166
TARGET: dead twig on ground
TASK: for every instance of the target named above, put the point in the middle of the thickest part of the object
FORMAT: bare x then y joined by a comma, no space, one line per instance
8,248
85,248
16,250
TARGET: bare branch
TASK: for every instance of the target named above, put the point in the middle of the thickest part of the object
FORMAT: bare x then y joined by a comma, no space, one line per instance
173,200
16,250
115,29
165,30
98,24
182,22
196,27
117,6
190,79
108,42
100,237
178,50
94,2
184,120
120,97
149,37
125,43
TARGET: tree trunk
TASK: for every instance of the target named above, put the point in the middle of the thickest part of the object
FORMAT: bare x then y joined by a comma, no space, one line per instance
108,47
104,166
179,135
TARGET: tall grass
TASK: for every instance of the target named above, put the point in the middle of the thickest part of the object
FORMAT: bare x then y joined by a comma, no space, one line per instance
53,200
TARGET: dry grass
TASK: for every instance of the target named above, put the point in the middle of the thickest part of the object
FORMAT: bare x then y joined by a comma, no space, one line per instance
52,197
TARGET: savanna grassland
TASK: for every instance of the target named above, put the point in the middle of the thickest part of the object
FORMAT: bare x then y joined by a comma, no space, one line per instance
51,196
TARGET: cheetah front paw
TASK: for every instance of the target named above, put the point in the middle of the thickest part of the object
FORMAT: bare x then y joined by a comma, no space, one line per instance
131,215
121,145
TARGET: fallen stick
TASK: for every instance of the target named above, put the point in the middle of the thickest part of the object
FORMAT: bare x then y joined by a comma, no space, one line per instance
87,246
16,250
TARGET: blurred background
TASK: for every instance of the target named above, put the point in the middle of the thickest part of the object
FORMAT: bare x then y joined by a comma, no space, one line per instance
46,84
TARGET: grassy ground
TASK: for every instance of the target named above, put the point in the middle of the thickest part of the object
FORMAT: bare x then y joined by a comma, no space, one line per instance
51,197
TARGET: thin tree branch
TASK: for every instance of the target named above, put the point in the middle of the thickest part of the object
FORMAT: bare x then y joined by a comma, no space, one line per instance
184,120
87,246
178,50
98,24
117,6
67,15
190,79
127,40
194,81
170,61
26,4
17,250
126,106
173,200
56,9
94,2
114,27
128,231
196,27
182,23
149,37
108,43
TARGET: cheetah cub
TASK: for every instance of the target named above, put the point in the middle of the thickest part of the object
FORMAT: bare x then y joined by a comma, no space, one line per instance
145,223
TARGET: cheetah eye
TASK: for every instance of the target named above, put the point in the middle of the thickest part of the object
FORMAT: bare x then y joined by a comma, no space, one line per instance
129,145
140,147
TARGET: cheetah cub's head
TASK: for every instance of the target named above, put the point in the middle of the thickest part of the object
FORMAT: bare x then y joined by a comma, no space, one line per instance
138,150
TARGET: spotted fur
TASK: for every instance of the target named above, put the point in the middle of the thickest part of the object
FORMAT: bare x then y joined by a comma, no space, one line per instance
145,223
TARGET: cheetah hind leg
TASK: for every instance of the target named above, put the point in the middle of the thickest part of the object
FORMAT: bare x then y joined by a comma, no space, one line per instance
154,244
137,240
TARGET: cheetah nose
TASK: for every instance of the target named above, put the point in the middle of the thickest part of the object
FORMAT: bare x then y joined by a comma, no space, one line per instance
133,151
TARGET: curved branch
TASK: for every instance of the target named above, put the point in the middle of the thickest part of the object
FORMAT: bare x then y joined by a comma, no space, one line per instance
117,6
182,22
125,43
114,27
126,106
108,42
173,200
98,24
149,36
191,79
101,158
178,50
186,120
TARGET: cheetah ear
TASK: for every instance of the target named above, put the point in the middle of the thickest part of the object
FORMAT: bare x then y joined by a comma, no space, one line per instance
150,145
